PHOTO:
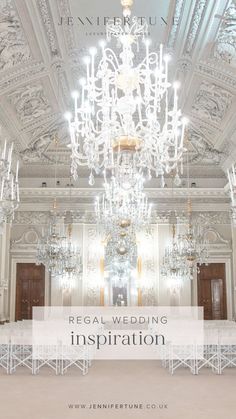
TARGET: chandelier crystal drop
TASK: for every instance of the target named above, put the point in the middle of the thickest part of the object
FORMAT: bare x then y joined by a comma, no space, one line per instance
127,106
9,185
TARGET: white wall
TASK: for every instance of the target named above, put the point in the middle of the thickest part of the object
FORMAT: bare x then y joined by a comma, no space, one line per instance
155,289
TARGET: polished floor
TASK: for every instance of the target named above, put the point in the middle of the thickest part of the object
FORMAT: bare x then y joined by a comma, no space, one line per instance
141,389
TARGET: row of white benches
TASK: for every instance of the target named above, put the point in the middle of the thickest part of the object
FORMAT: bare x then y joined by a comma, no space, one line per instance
217,353
16,351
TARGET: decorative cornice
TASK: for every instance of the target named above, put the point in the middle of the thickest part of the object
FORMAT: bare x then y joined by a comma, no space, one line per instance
159,205
40,218
217,72
47,21
31,218
176,23
68,30
46,193
26,72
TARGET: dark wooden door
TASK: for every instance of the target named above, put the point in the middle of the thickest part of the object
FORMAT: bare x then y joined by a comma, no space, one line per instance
212,291
30,289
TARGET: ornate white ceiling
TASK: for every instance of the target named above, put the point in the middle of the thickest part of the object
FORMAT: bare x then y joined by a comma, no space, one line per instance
40,61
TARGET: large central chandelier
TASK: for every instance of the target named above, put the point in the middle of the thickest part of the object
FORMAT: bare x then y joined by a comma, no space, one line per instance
126,106
9,186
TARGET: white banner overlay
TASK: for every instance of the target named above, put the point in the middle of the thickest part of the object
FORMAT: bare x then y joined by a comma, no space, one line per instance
117,332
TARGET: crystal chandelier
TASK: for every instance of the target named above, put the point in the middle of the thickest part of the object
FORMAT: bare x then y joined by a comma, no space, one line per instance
187,250
127,107
57,252
232,184
72,261
120,273
192,247
121,253
9,186
119,205
51,248
174,265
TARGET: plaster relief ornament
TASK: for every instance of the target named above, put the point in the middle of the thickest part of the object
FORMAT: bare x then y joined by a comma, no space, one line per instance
39,149
225,47
36,151
212,102
14,49
30,102
203,151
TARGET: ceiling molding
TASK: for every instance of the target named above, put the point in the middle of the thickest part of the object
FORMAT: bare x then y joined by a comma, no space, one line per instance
40,55
151,192
160,216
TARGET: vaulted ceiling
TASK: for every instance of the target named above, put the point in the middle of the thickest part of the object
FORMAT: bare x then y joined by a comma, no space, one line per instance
42,43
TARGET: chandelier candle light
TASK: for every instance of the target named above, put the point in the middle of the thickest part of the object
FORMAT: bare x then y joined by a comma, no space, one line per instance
124,107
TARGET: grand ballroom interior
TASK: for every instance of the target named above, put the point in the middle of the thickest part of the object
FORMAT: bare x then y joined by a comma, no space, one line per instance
118,188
